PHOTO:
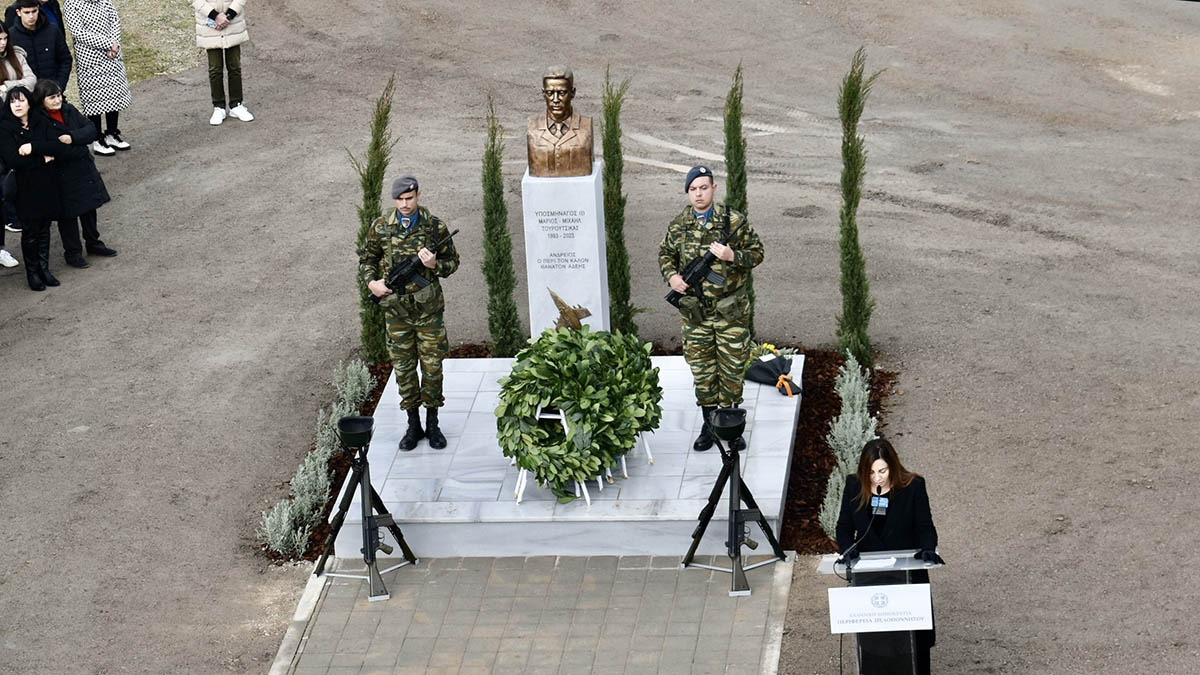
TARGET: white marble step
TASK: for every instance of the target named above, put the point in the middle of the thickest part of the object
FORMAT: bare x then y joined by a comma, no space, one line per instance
459,501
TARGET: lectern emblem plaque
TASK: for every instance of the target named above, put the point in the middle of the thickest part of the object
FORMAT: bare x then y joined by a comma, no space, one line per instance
879,600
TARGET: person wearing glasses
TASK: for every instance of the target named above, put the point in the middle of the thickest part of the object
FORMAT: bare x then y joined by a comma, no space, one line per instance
559,140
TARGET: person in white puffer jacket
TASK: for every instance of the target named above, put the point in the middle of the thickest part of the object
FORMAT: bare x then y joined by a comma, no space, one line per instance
221,31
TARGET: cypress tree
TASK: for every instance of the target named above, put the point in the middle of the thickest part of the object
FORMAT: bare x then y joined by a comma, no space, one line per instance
504,323
621,308
735,167
857,304
370,178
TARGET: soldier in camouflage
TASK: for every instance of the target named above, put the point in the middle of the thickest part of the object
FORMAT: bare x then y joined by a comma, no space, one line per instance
716,332
414,316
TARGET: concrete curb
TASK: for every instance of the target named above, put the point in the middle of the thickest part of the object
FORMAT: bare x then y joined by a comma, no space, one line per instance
776,614
290,646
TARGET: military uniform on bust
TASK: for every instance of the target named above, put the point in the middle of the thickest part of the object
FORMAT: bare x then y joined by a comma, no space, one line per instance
414,316
715,322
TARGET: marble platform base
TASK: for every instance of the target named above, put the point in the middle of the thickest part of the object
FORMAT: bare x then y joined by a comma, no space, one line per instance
459,501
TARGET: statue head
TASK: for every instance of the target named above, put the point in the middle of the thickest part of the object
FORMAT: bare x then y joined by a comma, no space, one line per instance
558,88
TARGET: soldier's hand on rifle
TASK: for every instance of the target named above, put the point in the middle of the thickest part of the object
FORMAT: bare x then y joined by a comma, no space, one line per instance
721,251
427,257
378,288
677,284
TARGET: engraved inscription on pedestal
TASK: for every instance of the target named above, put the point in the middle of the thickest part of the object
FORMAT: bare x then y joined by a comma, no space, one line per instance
565,248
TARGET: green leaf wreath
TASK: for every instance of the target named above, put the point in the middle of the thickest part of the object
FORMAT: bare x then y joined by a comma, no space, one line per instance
606,387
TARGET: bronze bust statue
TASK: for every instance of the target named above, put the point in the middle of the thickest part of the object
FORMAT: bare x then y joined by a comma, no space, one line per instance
559,140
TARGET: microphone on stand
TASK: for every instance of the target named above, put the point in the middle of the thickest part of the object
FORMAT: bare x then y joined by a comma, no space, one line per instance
876,509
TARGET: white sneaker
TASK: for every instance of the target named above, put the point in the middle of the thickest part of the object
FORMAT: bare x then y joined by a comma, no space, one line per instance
6,259
100,148
115,142
239,111
218,116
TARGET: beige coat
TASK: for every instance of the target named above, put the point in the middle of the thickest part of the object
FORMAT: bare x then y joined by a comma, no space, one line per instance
25,78
211,38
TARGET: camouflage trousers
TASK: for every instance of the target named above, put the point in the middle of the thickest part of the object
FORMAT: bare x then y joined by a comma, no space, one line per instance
420,341
717,351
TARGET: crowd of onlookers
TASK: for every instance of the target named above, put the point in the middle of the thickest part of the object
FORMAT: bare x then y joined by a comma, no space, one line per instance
47,170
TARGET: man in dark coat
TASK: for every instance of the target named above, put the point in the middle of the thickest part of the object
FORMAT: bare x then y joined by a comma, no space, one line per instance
44,43
50,9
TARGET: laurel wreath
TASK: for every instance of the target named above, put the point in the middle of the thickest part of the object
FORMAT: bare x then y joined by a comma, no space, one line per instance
605,385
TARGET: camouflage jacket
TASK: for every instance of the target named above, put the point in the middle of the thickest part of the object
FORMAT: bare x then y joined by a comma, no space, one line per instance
686,239
387,244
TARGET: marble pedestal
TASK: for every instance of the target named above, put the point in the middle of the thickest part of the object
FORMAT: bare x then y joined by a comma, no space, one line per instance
565,247
459,501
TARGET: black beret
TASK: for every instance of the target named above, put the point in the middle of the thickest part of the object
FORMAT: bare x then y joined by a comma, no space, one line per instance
696,172
403,183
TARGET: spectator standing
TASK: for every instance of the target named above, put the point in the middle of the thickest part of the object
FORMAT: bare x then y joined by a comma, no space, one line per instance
43,41
13,66
28,147
14,71
50,8
220,31
81,190
100,68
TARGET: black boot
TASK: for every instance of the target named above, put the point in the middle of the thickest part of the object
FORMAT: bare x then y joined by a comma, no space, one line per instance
414,434
32,264
437,440
43,253
705,440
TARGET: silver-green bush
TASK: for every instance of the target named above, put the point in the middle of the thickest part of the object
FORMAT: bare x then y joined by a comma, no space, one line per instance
848,433
277,529
285,529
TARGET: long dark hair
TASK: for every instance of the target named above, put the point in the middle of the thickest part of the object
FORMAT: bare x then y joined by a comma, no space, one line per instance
9,55
43,89
880,448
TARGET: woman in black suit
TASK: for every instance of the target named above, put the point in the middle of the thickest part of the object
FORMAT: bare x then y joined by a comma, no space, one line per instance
906,524
28,147
81,190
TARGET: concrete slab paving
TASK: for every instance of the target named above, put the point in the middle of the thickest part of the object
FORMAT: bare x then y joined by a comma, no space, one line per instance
579,615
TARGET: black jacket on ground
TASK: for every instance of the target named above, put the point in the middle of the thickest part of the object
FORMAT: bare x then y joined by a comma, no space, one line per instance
80,187
10,14
45,49
37,195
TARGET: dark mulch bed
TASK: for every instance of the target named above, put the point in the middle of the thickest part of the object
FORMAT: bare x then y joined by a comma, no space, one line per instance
812,460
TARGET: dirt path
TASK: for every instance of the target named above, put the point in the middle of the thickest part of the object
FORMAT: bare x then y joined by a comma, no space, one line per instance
1030,245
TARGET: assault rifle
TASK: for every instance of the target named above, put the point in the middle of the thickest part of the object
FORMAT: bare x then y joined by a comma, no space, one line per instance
407,271
699,269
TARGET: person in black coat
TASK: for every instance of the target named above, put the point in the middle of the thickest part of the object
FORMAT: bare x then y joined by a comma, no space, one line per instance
81,190
906,524
45,43
28,146
50,9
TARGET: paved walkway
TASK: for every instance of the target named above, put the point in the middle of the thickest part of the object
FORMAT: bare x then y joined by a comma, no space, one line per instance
546,615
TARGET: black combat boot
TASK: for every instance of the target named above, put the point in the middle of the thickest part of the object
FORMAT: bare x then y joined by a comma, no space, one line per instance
414,434
43,253
437,440
705,440
33,273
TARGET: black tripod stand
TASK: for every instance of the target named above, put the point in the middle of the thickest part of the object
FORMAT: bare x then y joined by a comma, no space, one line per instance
728,424
355,434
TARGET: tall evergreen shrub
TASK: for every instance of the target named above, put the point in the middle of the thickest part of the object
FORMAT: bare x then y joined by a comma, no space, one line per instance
735,167
852,324
371,172
504,323
621,309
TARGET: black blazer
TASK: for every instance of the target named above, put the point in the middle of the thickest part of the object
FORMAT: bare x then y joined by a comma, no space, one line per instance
909,523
